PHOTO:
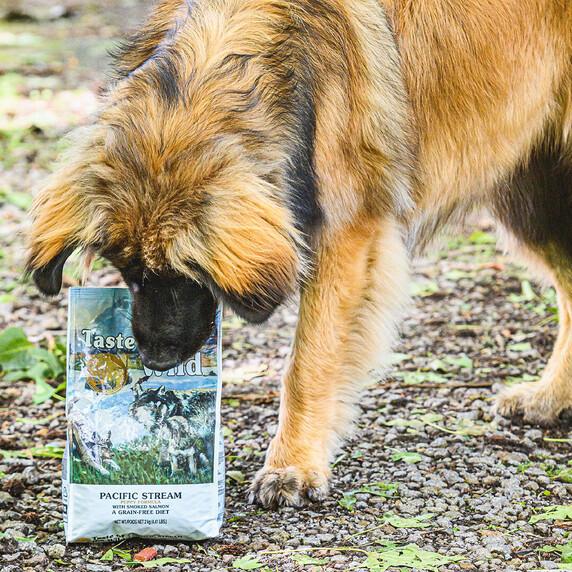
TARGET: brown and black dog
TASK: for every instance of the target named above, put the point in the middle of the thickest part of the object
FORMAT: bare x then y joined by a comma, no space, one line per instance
250,147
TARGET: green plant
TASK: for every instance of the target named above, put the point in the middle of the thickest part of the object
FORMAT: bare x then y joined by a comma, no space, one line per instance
20,359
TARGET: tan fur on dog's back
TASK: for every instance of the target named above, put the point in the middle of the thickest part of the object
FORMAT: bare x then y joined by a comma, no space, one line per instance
487,80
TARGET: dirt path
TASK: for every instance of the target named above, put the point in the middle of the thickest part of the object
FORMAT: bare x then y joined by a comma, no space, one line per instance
430,480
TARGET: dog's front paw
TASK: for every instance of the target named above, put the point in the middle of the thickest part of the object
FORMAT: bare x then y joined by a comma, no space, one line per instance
289,486
537,402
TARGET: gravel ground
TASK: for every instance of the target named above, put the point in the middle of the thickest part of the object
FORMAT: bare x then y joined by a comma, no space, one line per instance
427,447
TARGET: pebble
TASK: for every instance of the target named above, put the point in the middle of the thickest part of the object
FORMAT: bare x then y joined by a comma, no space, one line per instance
6,499
55,550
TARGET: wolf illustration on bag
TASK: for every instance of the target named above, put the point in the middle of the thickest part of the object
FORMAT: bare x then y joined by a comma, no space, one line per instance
184,422
92,448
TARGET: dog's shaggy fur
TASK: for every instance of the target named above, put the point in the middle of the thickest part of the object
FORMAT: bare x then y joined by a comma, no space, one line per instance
254,146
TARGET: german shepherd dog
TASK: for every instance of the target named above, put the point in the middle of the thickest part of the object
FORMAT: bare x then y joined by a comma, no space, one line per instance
247,148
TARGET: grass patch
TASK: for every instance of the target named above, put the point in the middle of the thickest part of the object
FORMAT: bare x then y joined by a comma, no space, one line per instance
138,465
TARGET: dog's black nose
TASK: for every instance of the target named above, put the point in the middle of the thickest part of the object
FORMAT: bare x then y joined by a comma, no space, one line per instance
159,362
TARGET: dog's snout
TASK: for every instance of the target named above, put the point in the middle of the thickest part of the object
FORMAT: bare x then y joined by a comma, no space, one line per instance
172,319
161,356
158,363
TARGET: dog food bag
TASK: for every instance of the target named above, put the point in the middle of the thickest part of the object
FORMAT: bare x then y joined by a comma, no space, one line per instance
144,453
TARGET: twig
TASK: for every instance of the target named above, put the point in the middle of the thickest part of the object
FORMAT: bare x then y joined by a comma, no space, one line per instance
366,531
431,385
435,426
252,396
334,549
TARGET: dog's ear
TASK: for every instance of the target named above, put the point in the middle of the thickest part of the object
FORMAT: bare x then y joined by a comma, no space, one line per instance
48,278
64,213
57,229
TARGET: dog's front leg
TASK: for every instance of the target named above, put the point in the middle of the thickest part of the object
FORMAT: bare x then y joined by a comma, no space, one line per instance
347,317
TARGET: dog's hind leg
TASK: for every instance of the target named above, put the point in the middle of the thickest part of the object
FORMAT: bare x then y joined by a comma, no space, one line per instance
536,207
360,279
542,401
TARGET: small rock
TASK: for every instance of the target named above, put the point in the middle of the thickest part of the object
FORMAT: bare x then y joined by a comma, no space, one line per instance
31,475
98,568
171,551
55,550
37,560
8,545
6,499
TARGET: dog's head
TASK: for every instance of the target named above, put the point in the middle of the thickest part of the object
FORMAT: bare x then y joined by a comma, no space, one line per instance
184,233
185,181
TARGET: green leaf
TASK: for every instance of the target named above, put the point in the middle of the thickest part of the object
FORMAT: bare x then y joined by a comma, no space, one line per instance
565,551
521,347
386,490
409,556
236,476
47,451
401,422
431,418
419,376
38,372
438,365
406,456
348,500
469,427
404,522
18,538
45,391
424,289
527,294
525,377
554,512
527,291
21,360
248,562
396,358
565,476
462,361
108,556
304,560
21,200
14,349
158,562
481,238
56,364
123,554
457,274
